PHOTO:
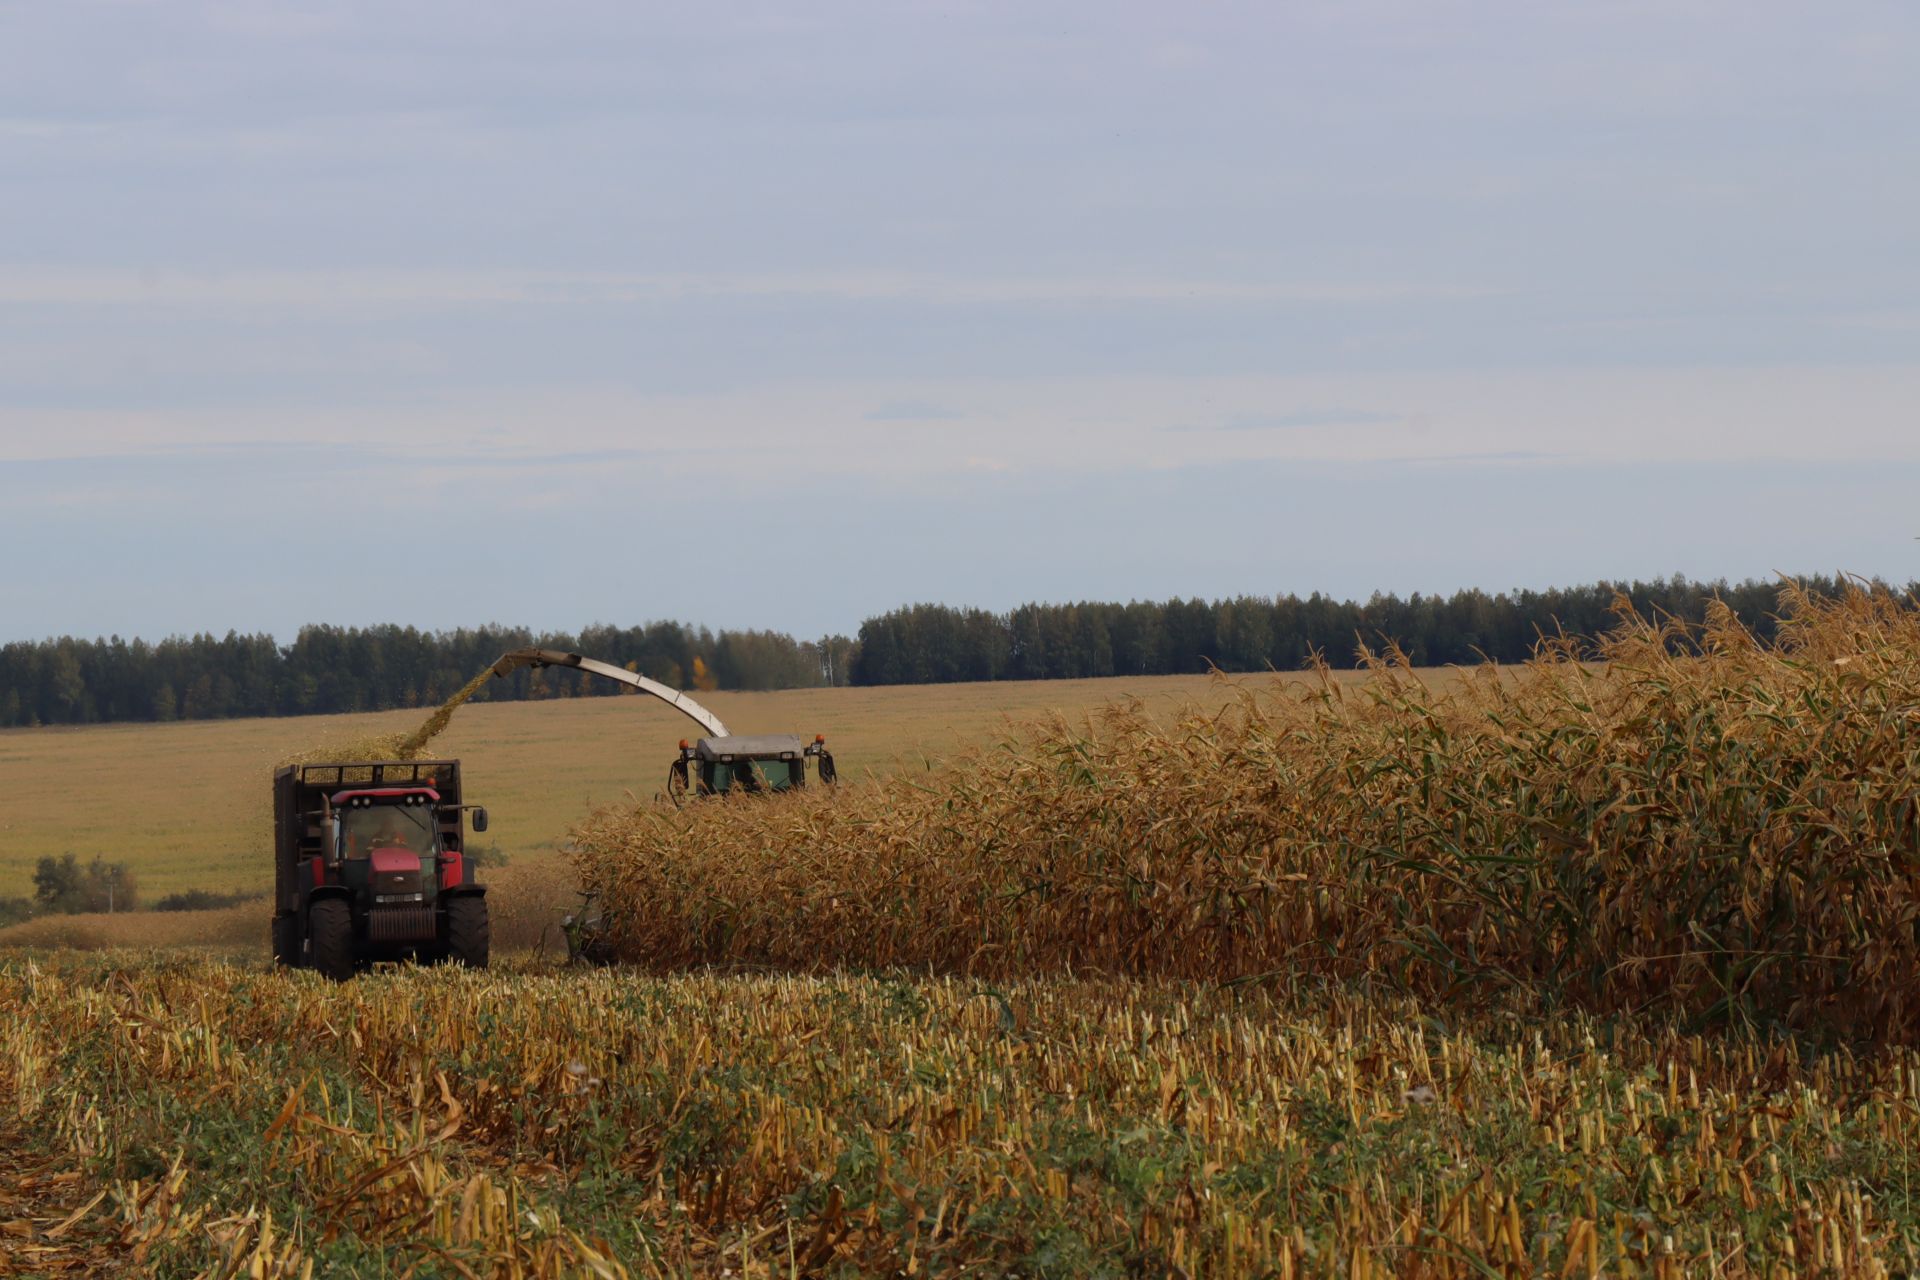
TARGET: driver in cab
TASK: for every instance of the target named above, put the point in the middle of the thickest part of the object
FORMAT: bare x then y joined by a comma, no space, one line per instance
393,832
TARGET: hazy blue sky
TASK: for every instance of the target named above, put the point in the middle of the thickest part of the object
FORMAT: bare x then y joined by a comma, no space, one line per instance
781,315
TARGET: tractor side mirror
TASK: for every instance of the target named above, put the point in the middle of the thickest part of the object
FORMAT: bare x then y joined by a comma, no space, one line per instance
479,820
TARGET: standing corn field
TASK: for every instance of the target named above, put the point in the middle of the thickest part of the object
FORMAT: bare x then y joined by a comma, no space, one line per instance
1692,824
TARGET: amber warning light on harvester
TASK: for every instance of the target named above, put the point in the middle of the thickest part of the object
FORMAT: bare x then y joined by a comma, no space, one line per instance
819,737
684,744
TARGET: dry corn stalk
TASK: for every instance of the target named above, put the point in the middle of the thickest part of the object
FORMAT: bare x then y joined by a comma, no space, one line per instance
1692,823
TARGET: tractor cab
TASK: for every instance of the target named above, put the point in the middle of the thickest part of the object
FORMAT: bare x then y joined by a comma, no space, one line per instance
750,763
399,818
387,844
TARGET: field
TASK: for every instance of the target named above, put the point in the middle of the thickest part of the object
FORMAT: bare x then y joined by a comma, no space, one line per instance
187,808
1570,970
185,804
197,1117
1700,824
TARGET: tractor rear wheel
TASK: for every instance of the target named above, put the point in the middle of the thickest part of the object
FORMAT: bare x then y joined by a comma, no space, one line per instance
468,933
330,926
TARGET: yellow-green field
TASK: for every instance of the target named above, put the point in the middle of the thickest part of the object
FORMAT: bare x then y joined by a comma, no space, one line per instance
185,804
1569,971
178,1116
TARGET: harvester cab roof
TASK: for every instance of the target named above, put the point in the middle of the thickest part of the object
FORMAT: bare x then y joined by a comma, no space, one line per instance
750,746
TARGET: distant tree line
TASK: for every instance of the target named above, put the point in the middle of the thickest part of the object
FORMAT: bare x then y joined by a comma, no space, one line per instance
342,669
929,643
337,669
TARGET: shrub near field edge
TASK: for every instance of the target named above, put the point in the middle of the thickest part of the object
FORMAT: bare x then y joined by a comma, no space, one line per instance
1689,823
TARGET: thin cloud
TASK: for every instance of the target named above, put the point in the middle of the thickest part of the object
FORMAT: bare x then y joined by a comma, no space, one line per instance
1307,418
308,455
1509,456
56,286
912,411
1294,420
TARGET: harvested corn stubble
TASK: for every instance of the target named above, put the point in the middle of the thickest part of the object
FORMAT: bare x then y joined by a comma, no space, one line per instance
604,1124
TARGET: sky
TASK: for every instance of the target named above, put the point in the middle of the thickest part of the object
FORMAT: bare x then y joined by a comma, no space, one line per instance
781,316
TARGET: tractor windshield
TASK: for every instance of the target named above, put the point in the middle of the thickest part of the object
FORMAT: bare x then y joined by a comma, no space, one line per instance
778,774
388,826
751,775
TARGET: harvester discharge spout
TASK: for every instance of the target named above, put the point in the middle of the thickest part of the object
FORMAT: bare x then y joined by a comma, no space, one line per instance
537,658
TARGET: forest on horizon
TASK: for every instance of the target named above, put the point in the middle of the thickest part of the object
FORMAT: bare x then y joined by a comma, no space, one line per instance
329,669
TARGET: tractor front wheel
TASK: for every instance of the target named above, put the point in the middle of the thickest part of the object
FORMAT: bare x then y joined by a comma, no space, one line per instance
330,927
468,934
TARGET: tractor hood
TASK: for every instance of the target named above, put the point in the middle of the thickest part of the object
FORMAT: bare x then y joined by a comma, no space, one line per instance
396,874
391,862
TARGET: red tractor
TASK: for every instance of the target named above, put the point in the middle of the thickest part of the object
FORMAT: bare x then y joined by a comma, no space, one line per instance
370,863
